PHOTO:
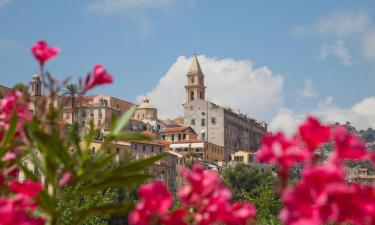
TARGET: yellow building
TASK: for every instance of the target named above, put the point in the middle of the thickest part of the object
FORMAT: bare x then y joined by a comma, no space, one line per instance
200,149
244,157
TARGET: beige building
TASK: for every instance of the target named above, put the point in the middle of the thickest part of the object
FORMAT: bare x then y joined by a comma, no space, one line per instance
178,134
100,109
243,157
216,124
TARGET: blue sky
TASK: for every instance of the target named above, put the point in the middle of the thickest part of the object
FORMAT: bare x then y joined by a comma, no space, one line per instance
323,47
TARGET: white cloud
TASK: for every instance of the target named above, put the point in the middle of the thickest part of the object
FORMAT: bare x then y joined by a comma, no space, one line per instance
343,23
4,2
368,45
308,90
361,115
234,83
337,49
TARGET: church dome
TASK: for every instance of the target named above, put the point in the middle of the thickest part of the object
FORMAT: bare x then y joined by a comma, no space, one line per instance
36,75
146,105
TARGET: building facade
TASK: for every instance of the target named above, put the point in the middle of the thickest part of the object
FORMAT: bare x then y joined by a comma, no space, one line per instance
219,125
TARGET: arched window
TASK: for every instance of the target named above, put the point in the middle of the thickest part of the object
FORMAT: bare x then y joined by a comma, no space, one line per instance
201,95
192,95
192,80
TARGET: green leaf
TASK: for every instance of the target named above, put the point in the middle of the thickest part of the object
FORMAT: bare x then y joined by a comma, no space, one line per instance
129,136
116,182
139,164
124,119
9,134
110,209
27,172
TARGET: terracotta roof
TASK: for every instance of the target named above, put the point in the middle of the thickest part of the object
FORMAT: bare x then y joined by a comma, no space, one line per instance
148,142
176,129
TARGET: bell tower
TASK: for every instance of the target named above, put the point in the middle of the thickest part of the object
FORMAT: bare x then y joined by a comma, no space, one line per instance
194,87
36,85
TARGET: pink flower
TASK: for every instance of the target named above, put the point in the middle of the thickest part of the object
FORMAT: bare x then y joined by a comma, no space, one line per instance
348,146
353,203
13,104
155,200
66,178
27,188
42,52
277,149
175,218
303,203
313,133
100,77
9,156
201,184
14,212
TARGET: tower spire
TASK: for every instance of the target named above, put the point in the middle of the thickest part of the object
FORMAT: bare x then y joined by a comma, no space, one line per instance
195,67
194,87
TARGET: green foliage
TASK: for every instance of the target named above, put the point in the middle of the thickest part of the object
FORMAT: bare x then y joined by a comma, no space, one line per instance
252,185
99,188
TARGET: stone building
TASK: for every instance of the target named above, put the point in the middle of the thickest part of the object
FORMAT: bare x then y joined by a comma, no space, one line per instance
148,114
199,149
219,125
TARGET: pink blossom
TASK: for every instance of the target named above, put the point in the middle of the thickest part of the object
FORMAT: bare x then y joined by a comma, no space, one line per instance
13,212
66,178
304,202
353,203
13,104
155,200
100,77
201,184
277,149
27,188
175,218
348,146
313,133
9,156
42,52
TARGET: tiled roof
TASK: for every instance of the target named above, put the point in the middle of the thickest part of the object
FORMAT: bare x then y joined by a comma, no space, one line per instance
176,129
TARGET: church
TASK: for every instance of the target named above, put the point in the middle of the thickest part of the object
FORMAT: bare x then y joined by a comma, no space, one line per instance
217,124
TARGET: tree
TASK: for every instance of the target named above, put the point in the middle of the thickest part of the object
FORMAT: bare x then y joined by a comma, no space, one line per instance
20,87
252,185
72,92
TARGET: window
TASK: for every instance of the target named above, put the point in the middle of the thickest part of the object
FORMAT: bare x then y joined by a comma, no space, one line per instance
251,158
203,122
184,136
117,151
203,113
152,148
93,150
144,147
163,137
201,95
200,80
192,95
213,120
192,80
179,137
192,122
160,149
203,135
172,137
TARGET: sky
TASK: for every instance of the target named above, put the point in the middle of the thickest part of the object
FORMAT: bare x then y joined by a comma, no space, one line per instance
276,61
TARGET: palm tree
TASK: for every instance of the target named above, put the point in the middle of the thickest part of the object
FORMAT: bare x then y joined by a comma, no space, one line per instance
72,92
20,87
